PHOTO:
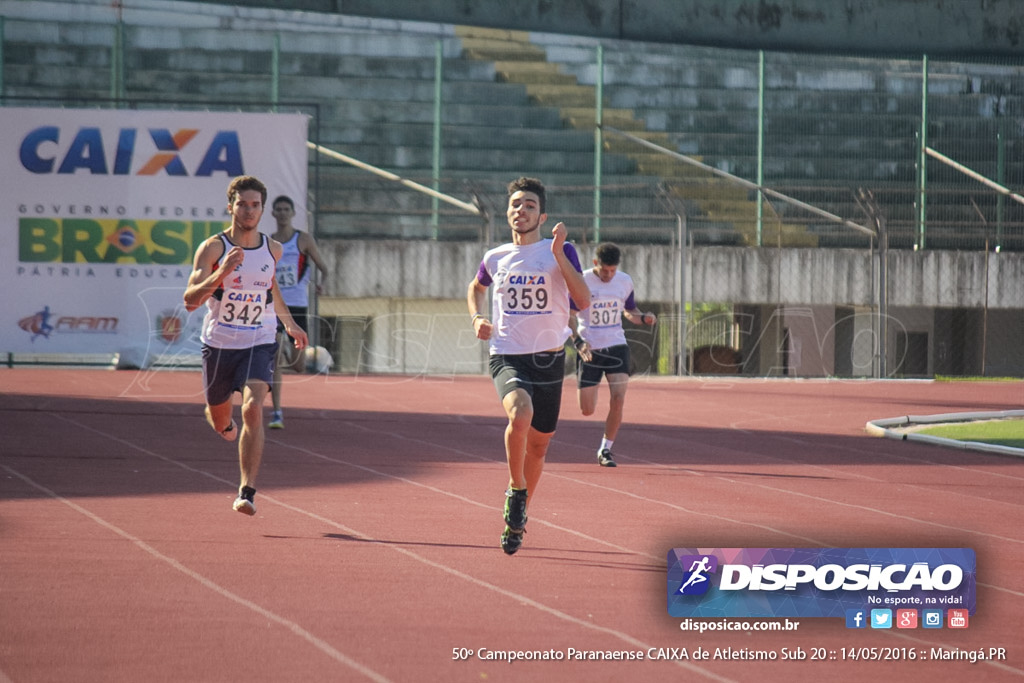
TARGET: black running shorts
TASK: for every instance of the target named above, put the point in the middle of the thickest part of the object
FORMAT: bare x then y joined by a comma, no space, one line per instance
610,361
226,371
538,374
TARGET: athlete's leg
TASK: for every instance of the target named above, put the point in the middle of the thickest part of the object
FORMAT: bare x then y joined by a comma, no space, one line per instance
519,409
617,385
588,399
536,452
219,416
250,444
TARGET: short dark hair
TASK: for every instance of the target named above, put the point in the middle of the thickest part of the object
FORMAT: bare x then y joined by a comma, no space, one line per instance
283,198
524,184
608,254
243,183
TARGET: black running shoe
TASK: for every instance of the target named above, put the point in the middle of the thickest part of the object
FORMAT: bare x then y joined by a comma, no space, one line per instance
605,459
244,503
511,540
515,509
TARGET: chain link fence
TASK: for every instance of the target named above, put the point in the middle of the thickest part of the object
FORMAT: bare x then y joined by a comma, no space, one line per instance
752,256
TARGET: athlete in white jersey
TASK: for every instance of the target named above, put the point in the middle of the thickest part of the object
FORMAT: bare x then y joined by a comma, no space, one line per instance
601,342
294,273
534,279
233,274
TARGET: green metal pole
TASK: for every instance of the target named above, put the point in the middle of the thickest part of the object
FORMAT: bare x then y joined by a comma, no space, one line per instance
117,87
760,145
598,141
275,73
1,59
1001,179
436,153
922,164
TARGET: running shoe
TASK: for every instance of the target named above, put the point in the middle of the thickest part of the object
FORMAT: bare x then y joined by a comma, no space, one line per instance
605,458
515,509
244,503
515,520
276,420
511,540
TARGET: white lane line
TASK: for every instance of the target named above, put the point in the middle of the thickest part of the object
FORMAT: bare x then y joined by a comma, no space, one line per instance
518,597
319,644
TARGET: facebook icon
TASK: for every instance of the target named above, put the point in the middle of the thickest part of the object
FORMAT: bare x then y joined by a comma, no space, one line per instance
856,618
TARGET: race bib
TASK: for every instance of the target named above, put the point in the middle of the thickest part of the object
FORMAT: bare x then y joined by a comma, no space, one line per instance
242,309
605,313
287,275
526,294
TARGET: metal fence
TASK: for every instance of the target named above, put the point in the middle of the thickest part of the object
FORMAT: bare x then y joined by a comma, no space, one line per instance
461,111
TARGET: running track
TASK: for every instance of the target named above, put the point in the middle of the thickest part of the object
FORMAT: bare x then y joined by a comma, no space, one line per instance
375,553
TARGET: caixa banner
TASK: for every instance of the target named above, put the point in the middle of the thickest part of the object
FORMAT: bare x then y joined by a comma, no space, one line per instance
817,582
103,211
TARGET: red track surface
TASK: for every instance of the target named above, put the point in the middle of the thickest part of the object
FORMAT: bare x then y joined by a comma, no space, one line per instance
374,553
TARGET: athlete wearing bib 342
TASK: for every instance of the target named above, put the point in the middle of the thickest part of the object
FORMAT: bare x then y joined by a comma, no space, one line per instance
233,274
601,342
533,279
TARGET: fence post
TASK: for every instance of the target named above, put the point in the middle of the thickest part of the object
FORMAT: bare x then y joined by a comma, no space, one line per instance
275,73
598,140
1001,179
117,89
760,144
436,144
922,158
1,60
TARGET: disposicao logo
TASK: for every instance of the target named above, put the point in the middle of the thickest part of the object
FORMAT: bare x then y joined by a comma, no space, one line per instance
818,582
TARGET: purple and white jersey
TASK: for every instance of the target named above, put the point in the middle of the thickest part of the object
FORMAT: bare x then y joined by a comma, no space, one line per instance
530,304
600,324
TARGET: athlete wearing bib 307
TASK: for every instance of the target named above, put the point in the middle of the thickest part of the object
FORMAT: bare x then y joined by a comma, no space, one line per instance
601,342
533,279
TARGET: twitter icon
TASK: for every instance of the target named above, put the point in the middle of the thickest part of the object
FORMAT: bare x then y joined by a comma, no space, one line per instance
881,618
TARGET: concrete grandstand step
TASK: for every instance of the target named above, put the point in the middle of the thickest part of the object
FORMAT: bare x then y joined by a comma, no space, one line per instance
532,72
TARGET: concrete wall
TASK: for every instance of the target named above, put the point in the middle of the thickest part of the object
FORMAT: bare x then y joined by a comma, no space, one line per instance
833,277
399,307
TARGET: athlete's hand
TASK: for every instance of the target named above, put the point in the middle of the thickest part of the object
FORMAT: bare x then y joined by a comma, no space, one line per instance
233,259
299,335
483,328
558,234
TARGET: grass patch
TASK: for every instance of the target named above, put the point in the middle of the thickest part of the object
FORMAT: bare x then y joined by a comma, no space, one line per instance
999,432
953,378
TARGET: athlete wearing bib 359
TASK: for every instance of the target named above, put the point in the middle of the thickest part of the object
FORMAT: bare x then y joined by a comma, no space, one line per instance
533,279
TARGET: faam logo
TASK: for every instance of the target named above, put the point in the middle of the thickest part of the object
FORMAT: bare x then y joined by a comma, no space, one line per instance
43,324
48,149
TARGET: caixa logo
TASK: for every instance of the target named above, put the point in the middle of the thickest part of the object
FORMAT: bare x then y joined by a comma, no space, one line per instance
48,149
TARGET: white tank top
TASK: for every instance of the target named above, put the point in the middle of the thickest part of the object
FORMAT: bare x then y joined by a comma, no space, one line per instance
293,273
240,314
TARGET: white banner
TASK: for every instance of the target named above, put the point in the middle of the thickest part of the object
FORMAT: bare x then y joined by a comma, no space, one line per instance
102,211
